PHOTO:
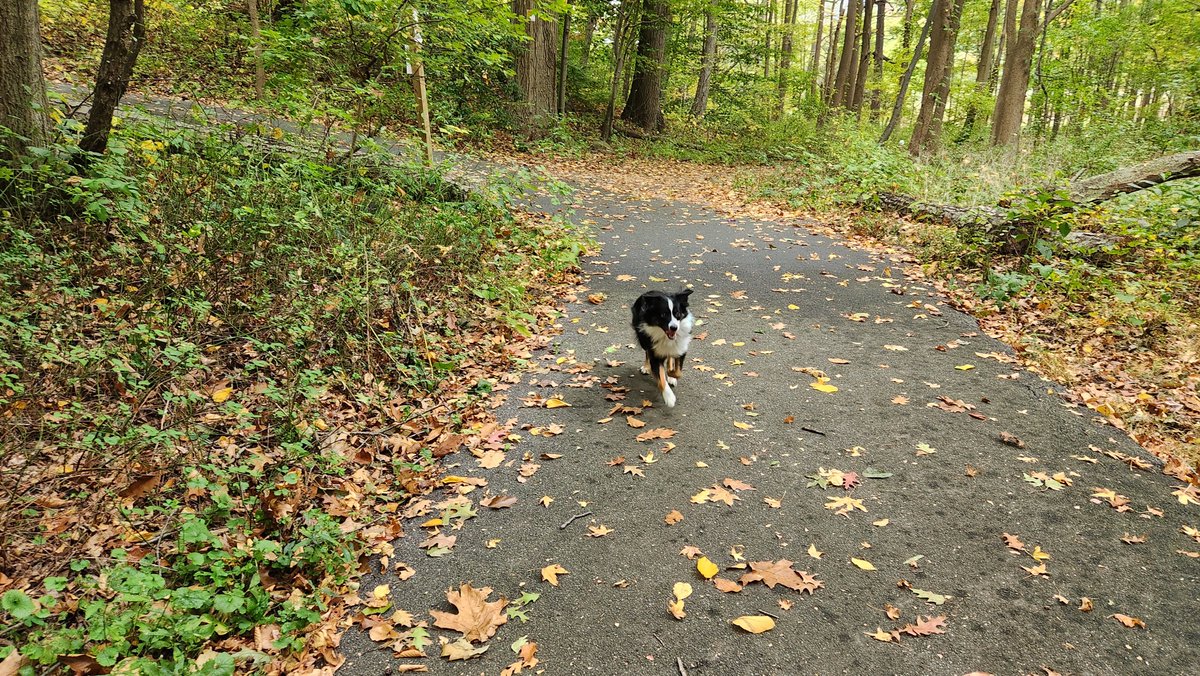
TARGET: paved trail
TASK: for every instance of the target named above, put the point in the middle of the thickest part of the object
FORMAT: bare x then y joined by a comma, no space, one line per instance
773,300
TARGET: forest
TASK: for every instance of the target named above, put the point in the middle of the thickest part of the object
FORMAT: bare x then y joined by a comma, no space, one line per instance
255,325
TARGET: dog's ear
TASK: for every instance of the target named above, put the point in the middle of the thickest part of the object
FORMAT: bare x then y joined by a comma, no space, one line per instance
685,293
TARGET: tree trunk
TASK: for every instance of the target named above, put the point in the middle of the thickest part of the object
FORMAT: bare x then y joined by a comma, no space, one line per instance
708,58
1018,62
589,35
906,34
786,48
835,31
816,52
846,63
942,99
23,104
561,104
126,34
644,105
864,59
937,73
260,73
770,20
535,70
898,106
620,51
876,103
983,69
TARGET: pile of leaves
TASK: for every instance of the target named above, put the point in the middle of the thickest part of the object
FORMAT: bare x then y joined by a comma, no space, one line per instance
225,366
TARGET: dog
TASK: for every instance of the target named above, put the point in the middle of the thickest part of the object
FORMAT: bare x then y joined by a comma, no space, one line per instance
663,326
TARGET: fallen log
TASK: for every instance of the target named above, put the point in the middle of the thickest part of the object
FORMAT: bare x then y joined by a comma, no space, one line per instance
1014,233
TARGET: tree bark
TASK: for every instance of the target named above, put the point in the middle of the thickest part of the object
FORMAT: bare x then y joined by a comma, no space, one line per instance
816,52
126,34
786,49
561,103
876,103
846,62
1018,62
535,70
708,58
835,31
983,69
589,35
260,72
864,60
898,106
23,104
943,94
936,73
620,52
644,105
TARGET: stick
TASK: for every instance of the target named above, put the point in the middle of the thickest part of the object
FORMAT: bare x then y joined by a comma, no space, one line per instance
679,663
809,429
768,614
572,519
660,641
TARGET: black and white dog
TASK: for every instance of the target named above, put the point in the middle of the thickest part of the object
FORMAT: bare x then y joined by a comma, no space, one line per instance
663,325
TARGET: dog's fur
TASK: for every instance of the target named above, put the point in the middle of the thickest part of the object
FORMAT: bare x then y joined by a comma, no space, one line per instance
663,326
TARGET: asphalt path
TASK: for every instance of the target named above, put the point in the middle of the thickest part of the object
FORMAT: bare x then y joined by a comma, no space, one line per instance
782,310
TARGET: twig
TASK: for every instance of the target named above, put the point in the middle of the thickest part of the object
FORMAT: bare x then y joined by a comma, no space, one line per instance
809,429
768,614
656,638
679,663
572,519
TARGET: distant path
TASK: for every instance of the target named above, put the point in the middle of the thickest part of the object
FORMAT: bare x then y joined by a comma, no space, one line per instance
779,304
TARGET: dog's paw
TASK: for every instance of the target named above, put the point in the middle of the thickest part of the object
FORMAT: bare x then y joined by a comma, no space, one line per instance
672,381
669,398
644,370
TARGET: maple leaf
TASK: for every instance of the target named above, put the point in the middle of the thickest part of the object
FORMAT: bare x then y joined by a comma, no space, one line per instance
718,494
690,551
598,531
781,572
844,505
499,501
461,649
673,517
1193,533
1187,495
880,635
620,459
656,433
551,572
900,400
1128,621
477,619
675,607
736,485
926,626
814,552
1037,571
1038,555
1114,499
634,470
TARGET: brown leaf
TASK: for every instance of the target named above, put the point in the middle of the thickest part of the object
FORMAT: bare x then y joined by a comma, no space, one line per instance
634,422
499,501
691,552
656,433
673,517
1133,539
461,649
893,612
1013,542
736,485
726,586
926,626
1086,605
1128,621
598,531
781,572
477,619
551,572
1011,440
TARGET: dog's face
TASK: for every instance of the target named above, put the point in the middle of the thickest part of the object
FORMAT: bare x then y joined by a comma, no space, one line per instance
666,312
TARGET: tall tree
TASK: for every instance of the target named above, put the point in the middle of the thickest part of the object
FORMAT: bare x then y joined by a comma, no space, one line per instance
561,104
260,72
943,34
1018,61
864,59
786,49
816,52
846,63
878,59
902,93
122,43
23,104
983,68
535,69
624,16
643,107
708,58
835,28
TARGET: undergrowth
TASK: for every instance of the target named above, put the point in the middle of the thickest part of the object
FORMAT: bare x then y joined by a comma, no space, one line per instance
225,363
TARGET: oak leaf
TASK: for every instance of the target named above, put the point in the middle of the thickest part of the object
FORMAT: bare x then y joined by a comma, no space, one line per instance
926,626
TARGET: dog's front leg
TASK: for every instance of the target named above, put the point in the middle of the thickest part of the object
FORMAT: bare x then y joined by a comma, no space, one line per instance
659,368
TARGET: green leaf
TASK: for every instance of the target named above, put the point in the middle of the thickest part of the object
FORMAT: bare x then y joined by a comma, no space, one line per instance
872,473
930,597
18,604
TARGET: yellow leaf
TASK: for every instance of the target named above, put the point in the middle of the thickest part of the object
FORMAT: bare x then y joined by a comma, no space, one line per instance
862,563
682,590
880,635
814,552
793,306
822,385
755,624
706,568
381,591
551,572
881,523
546,500
436,521
742,426
964,367
556,403
221,395
493,543
659,279
1038,555
675,607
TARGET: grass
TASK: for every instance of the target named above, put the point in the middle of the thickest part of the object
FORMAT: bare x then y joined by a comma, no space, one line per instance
194,333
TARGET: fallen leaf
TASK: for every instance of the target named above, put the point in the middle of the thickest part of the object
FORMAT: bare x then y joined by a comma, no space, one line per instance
1086,605
862,563
681,590
726,586
814,552
656,433
551,572
499,501
555,403
476,619
546,500
1013,542
673,517
822,385
690,551
675,607
706,568
1128,621
755,624
780,572
222,395
892,612
845,504
598,531
926,626
930,597
1038,555
1133,539
881,635
461,649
